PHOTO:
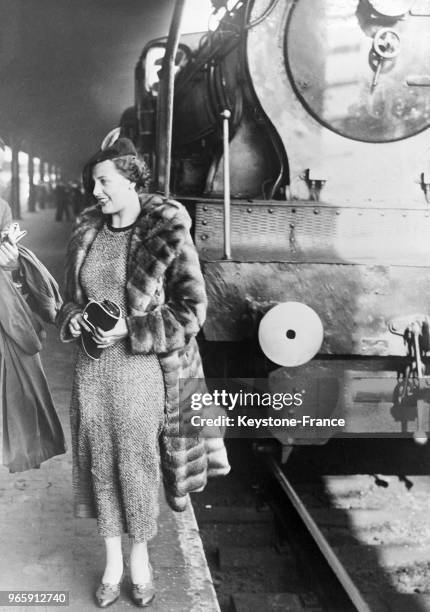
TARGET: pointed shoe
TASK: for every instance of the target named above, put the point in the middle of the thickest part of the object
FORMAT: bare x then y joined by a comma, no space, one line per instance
107,594
143,594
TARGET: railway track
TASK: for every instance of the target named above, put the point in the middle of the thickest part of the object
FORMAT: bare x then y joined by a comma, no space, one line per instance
373,531
252,565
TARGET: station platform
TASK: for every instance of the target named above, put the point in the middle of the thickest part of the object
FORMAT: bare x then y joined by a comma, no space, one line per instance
42,546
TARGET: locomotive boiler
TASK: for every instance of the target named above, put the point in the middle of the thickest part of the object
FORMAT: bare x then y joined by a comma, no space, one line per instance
300,145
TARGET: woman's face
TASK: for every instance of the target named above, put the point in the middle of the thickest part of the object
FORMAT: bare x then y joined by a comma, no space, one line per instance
111,189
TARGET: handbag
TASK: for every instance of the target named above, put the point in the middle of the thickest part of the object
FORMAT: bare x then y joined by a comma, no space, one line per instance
104,315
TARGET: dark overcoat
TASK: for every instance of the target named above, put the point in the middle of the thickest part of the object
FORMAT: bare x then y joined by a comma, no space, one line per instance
32,431
166,308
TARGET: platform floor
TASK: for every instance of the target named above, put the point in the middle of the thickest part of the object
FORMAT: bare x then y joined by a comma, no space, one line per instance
42,546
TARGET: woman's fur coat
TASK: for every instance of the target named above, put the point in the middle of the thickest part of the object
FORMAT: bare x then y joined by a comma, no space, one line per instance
166,308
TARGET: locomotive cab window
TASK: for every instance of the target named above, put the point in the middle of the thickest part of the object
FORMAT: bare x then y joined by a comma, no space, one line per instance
153,62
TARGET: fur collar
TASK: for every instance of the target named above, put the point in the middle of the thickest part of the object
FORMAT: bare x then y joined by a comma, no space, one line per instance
158,234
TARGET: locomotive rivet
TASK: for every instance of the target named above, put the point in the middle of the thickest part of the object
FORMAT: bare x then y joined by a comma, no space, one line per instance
270,210
382,214
292,225
204,222
293,210
249,210
338,212
204,236
404,215
316,211
205,208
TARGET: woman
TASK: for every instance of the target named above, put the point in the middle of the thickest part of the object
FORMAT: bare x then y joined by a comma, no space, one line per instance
133,249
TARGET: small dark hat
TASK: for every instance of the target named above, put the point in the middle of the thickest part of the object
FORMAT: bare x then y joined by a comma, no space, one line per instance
120,148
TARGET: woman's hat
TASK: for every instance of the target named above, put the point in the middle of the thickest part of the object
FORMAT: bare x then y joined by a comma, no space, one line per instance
120,148
110,149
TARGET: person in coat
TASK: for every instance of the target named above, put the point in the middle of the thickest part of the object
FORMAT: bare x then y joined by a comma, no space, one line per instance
30,430
135,250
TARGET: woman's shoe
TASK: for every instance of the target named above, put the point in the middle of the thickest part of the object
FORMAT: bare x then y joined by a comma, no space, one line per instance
107,594
143,594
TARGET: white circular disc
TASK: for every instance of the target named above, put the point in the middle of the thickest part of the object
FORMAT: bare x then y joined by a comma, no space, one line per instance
392,8
290,334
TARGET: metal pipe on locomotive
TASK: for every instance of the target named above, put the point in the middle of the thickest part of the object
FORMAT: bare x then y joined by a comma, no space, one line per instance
329,174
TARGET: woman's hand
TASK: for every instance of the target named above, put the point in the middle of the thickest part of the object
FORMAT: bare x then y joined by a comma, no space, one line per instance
114,335
8,256
76,324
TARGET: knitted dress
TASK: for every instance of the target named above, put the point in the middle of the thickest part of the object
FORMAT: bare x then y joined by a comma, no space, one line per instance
117,411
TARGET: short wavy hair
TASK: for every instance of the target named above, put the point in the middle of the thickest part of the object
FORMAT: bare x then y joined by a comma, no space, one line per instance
134,169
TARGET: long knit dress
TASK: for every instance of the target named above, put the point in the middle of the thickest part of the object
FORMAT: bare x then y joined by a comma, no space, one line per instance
117,411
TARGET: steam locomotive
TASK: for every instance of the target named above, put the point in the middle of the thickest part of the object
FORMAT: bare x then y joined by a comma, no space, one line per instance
313,116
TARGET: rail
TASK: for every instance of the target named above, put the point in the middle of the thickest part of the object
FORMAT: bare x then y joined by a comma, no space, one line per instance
328,552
